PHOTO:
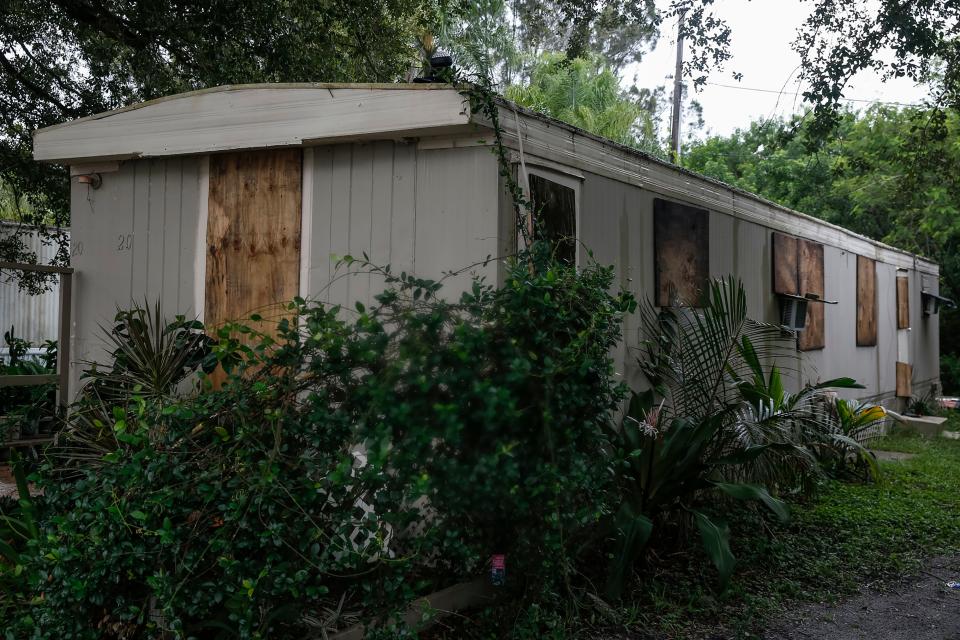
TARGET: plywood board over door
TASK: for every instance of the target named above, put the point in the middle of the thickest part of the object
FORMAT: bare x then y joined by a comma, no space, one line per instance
253,235
903,302
904,380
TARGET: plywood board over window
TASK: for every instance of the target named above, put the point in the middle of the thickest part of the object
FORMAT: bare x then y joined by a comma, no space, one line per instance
798,271
866,302
681,240
555,211
810,279
904,380
903,302
785,265
253,235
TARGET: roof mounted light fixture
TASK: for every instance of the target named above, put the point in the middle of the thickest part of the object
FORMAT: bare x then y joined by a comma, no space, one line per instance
793,309
439,63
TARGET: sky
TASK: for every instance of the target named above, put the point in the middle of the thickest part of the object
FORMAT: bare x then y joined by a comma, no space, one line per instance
762,33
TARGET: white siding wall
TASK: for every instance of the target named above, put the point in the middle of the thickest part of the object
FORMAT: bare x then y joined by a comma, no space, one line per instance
421,211
430,211
138,232
617,224
34,317
924,330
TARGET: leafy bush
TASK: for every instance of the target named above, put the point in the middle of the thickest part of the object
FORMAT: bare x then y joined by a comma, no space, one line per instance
345,466
18,532
950,373
24,408
843,454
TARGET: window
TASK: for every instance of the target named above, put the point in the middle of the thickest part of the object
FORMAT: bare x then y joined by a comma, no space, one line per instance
681,241
555,213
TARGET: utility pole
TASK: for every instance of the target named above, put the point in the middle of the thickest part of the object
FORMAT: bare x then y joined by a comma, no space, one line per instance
677,95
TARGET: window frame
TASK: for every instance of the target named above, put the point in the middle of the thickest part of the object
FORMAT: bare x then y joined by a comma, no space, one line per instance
570,180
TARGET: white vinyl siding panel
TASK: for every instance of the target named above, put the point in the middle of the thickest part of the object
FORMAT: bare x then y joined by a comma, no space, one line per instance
424,212
138,232
616,224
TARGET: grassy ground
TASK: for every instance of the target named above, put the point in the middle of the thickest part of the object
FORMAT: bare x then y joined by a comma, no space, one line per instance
847,537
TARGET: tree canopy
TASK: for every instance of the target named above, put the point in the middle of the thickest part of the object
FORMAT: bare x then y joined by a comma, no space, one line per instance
916,40
587,94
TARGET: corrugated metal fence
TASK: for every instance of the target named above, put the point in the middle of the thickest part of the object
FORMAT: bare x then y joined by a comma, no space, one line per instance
33,318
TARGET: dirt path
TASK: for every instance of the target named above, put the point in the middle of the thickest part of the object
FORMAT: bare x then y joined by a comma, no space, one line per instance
919,609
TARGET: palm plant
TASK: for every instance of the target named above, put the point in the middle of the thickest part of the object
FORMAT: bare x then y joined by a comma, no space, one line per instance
584,93
713,422
842,451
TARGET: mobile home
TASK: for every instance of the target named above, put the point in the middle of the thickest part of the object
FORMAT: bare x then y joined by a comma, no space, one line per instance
224,201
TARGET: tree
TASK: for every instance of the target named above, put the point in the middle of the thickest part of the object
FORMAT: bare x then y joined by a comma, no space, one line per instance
917,40
504,39
480,35
880,174
618,30
587,94
64,59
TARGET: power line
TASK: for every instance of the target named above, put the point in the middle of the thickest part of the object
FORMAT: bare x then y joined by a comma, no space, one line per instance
796,93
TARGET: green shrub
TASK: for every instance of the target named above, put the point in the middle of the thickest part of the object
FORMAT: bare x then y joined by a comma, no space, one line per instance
346,466
950,373
18,535
22,409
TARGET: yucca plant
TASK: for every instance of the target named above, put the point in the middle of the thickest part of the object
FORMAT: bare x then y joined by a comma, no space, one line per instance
714,422
151,358
149,353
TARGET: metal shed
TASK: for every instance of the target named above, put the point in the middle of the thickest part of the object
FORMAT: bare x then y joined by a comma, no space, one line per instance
223,201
